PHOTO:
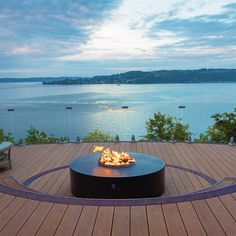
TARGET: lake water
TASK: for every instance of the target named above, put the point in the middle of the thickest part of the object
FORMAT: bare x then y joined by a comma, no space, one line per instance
99,106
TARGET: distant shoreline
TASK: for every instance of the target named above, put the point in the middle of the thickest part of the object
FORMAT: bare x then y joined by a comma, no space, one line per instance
55,84
140,77
219,82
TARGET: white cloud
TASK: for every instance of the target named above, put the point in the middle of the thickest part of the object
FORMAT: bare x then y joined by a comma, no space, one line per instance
125,32
15,70
24,50
207,50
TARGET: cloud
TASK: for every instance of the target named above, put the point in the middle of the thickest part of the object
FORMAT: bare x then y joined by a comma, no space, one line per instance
121,43
15,70
89,37
5,32
24,50
135,29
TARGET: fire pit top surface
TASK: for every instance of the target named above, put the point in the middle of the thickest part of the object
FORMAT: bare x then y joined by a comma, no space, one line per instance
145,164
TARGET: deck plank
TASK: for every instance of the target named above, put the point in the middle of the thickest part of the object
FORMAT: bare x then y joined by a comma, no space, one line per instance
10,211
121,221
69,221
21,217
225,219
46,207
156,221
192,223
103,223
86,221
32,225
229,203
207,218
173,220
139,226
52,220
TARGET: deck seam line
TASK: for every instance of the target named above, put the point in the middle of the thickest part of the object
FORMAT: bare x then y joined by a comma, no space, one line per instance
77,221
198,218
61,220
215,217
39,201
164,219
169,153
225,163
13,214
179,163
206,200
194,163
194,188
53,204
15,196
170,173
147,220
189,167
28,217
227,209
209,157
112,221
182,220
94,223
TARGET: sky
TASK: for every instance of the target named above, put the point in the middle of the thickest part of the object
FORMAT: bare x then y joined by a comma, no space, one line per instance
98,37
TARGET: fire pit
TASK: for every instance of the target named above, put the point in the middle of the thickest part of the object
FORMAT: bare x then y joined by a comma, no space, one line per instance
117,175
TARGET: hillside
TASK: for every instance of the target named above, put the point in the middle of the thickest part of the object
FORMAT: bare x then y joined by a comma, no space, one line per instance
153,77
140,77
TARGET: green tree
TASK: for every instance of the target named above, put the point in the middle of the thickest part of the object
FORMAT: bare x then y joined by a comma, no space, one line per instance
6,137
35,136
222,130
98,136
163,126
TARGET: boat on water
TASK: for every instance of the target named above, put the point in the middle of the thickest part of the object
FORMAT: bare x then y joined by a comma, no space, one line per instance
125,107
182,106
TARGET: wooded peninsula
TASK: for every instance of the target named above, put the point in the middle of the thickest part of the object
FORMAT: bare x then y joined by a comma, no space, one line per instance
154,77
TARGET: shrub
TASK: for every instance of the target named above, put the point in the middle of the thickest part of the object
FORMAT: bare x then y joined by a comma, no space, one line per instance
98,136
163,126
6,137
222,130
35,136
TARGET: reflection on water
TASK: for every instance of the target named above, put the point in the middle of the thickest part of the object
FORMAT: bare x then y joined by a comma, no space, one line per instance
98,171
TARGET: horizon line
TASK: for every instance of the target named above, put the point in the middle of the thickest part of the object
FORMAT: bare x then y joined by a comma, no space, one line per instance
77,76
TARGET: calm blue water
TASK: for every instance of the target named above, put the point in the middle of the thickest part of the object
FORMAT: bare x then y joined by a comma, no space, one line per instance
44,107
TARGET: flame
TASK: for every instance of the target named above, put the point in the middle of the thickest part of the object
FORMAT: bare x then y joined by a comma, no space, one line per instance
114,158
98,148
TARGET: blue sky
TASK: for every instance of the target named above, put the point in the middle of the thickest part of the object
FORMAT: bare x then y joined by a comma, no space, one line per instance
85,37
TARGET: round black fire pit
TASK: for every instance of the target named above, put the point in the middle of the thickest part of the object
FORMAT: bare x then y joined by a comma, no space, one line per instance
144,179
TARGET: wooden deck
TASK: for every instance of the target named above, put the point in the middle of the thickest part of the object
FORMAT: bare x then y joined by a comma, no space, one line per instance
212,216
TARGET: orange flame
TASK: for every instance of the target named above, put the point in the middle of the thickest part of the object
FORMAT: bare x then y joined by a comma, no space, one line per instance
114,158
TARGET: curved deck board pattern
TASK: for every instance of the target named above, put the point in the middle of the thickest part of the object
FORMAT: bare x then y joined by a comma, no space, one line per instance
212,216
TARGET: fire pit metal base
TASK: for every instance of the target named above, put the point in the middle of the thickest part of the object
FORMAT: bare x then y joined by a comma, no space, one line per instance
144,179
